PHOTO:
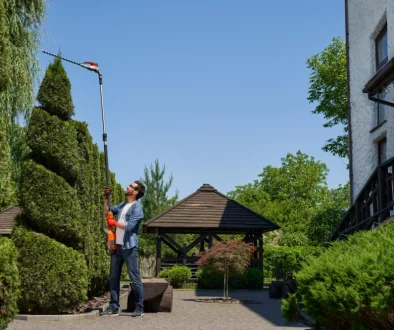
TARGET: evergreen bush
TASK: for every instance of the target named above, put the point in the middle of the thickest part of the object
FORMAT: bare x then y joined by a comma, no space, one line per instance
53,276
54,141
51,204
349,286
54,94
9,281
280,260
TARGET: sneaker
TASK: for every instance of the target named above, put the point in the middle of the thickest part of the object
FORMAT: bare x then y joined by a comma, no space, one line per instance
137,312
110,312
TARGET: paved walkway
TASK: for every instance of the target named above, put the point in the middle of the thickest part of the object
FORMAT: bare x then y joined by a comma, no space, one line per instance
187,314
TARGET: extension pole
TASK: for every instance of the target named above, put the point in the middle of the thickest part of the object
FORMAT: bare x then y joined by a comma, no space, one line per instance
91,66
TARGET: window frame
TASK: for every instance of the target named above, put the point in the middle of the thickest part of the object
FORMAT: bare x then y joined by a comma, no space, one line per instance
379,37
382,142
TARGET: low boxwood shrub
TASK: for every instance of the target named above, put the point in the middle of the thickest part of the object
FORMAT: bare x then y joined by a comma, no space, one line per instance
349,286
165,273
178,275
51,204
53,276
280,260
9,281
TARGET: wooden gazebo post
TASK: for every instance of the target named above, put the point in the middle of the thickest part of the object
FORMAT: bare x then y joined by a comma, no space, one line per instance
158,253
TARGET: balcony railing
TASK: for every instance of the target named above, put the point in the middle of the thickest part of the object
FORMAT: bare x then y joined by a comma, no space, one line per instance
374,204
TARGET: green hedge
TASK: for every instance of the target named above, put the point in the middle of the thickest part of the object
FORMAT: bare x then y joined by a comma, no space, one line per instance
9,281
53,276
350,286
54,93
54,141
280,260
209,278
50,204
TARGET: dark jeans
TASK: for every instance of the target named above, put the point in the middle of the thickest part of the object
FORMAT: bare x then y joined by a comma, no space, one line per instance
130,257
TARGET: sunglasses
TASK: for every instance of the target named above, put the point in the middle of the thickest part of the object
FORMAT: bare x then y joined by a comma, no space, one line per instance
131,186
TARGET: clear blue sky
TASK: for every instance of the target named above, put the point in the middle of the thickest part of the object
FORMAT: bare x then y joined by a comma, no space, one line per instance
214,89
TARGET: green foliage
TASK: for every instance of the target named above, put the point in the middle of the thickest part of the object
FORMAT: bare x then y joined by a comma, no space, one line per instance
328,87
227,257
253,279
54,142
53,277
9,281
209,277
280,260
5,68
154,202
288,195
350,286
19,28
6,188
54,94
164,273
51,204
178,275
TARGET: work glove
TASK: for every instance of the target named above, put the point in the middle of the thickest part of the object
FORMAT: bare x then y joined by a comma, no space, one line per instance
106,192
111,222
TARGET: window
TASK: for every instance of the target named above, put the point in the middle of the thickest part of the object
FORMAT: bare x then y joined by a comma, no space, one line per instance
382,150
381,59
381,111
381,48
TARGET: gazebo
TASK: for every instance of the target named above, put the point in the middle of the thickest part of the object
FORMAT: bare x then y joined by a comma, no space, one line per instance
208,213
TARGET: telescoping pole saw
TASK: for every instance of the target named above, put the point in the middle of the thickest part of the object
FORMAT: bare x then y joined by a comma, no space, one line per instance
92,66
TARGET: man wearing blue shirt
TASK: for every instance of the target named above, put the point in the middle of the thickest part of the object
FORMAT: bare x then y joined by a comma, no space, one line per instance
129,215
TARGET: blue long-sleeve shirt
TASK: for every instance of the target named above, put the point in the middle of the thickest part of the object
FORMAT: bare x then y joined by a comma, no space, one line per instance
132,223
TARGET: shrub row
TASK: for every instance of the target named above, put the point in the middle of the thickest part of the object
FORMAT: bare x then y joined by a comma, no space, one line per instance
350,286
9,281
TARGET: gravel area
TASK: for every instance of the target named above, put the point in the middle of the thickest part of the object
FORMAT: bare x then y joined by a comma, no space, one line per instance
187,314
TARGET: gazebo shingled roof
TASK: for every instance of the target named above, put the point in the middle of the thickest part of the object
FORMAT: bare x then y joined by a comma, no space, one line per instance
208,209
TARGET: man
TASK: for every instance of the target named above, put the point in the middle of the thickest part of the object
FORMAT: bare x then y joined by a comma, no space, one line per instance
129,216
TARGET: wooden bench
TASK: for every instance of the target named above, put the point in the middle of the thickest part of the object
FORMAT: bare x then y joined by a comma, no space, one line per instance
157,296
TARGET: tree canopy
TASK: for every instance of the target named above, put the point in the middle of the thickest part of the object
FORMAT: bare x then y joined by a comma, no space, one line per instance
291,195
328,87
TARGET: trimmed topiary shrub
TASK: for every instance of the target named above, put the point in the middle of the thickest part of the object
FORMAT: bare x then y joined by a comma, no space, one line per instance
48,199
54,94
54,142
349,286
280,260
53,276
9,281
